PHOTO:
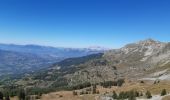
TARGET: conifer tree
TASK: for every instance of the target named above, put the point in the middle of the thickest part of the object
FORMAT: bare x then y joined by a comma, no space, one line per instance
1,96
148,94
163,92
132,95
114,95
7,96
21,95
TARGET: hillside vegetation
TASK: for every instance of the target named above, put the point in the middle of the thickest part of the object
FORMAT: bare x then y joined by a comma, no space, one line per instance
142,67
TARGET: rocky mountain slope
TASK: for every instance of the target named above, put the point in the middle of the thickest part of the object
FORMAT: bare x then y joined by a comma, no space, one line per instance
147,59
136,58
140,57
143,60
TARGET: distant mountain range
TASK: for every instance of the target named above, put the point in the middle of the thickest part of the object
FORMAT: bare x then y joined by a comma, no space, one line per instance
16,62
52,52
135,61
25,58
143,60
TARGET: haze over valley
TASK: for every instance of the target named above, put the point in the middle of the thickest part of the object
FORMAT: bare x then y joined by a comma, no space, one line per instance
84,50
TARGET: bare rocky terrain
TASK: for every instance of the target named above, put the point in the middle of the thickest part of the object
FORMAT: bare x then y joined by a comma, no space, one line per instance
145,61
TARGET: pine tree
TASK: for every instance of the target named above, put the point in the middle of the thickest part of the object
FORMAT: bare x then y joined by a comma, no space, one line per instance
136,94
141,94
81,93
21,95
7,98
94,89
132,95
28,98
1,96
121,95
163,92
148,95
114,95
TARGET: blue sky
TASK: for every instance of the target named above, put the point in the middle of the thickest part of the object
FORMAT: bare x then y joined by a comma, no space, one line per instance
83,23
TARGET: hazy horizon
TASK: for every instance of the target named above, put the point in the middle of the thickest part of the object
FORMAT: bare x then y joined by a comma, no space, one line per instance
92,46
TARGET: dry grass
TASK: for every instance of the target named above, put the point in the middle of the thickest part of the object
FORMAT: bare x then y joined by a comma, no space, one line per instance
14,98
155,89
166,98
67,95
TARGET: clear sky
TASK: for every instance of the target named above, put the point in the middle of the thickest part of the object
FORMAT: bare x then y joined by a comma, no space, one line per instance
83,23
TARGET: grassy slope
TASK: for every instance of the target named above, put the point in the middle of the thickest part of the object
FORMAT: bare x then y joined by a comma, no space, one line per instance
155,89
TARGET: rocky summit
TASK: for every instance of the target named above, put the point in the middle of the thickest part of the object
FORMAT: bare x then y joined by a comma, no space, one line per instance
143,60
138,66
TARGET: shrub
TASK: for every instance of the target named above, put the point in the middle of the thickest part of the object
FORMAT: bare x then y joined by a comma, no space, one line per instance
97,92
94,89
148,95
86,92
1,96
81,93
108,84
163,92
114,95
74,93
28,97
141,94
136,94
7,96
132,95
37,97
122,95
81,86
120,82
60,96
154,82
21,95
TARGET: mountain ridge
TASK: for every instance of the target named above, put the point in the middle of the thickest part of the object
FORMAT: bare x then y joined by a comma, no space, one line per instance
44,55
133,62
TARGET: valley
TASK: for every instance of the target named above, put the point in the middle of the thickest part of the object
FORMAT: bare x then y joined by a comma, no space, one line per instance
84,50
134,69
29,58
